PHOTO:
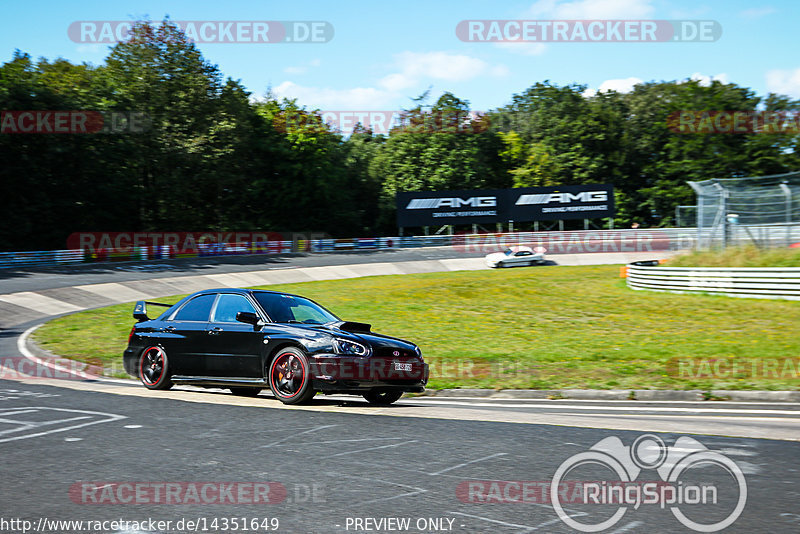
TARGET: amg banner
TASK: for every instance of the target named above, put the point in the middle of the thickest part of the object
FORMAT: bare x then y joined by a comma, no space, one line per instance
431,208
593,201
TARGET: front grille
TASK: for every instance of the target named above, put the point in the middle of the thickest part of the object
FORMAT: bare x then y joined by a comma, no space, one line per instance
389,352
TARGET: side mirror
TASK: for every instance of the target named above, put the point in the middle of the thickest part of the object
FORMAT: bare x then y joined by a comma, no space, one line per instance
248,317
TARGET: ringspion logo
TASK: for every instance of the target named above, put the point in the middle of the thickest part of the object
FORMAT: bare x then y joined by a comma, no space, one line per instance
722,501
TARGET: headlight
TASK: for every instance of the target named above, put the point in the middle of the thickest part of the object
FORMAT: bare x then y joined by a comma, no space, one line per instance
344,346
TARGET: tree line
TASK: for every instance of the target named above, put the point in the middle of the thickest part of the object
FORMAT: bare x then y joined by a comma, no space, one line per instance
213,158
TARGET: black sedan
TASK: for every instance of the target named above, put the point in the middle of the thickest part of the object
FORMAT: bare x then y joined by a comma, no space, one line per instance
247,340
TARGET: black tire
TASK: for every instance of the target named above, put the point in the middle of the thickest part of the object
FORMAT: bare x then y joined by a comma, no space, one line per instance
154,368
383,397
500,264
245,391
289,376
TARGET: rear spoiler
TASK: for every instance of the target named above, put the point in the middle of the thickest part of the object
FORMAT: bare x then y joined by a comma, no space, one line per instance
140,310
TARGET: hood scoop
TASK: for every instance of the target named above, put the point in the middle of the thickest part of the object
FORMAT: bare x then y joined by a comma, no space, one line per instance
356,328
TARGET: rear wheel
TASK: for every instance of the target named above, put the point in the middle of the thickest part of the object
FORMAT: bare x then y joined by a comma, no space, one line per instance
245,392
154,369
289,377
383,397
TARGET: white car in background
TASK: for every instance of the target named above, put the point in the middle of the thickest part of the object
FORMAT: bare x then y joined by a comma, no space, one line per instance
516,257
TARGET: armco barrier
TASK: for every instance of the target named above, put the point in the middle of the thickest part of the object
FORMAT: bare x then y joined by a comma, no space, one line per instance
555,242
754,282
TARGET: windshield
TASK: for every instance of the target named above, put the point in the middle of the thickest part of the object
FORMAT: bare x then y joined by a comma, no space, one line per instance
508,252
292,309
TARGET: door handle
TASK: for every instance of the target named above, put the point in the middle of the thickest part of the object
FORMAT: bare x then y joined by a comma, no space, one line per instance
214,331
169,329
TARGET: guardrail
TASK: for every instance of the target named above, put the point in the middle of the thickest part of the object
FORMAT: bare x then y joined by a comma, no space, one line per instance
753,282
555,242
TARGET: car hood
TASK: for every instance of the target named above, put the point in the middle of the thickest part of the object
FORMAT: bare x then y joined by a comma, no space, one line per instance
372,338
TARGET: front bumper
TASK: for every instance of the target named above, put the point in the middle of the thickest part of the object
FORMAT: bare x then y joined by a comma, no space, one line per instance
333,372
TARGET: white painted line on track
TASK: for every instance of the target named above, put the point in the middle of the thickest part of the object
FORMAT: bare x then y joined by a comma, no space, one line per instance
624,408
470,462
103,418
23,349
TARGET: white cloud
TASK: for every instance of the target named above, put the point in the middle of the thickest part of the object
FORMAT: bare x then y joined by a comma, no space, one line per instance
92,48
784,82
620,85
593,9
416,67
302,69
757,12
522,47
295,70
361,98
706,80
411,70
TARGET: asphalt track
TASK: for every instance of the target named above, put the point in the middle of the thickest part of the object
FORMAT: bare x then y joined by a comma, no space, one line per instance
346,466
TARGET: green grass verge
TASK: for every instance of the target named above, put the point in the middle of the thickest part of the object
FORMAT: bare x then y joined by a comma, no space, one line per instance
542,328
747,256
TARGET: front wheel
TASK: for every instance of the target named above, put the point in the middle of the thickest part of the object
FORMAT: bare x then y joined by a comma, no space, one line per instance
154,369
383,397
289,377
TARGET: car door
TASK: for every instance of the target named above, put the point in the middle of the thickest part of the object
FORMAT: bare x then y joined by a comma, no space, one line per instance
234,348
522,257
185,334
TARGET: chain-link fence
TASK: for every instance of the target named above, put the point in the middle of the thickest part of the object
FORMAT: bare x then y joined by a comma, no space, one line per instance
685,216
762,210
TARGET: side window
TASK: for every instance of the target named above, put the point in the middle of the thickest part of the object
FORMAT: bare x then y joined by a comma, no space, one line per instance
197,309
229,305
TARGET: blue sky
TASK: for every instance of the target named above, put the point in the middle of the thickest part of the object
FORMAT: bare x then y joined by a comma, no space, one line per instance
385,53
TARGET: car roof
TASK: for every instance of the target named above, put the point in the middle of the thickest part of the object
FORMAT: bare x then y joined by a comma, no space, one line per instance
240,291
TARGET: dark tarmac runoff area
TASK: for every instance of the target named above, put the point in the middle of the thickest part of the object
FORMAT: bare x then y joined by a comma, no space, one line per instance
108,455
79,453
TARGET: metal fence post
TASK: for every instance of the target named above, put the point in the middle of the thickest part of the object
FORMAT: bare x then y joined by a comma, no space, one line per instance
788,193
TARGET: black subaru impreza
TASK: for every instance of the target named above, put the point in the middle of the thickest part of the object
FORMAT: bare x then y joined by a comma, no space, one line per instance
247,340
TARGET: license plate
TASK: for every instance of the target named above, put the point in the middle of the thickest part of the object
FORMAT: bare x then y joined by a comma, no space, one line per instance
398,366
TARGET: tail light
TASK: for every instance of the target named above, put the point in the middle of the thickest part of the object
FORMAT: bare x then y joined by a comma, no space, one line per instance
130,336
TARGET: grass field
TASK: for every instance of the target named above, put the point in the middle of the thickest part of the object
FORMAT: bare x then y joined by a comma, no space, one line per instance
746,256
542,327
